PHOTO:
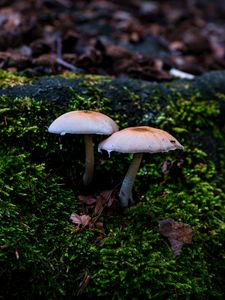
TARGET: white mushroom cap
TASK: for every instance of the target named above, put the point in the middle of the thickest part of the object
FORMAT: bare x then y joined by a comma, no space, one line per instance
83,122
139,140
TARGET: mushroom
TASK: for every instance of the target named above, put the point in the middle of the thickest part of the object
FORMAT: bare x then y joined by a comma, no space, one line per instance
137,140
87,123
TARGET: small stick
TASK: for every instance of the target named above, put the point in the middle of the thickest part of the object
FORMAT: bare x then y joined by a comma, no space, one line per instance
59,58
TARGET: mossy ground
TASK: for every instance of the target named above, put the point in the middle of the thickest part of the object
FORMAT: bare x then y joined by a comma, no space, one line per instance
10,79
42,255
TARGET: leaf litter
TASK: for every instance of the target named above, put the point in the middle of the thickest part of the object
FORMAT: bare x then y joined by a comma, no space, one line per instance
94,205
178,234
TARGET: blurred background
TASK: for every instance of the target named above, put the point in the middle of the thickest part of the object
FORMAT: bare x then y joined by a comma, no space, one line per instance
138,39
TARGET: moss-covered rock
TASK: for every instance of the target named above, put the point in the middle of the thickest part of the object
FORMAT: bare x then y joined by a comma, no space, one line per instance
43,255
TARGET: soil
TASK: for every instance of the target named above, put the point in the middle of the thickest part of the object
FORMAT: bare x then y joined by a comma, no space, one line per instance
135,39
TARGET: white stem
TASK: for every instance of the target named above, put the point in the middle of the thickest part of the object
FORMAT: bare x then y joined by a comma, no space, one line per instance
125,193
89,163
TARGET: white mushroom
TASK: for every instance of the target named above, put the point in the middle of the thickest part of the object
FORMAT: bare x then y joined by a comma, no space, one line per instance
87,123
137,140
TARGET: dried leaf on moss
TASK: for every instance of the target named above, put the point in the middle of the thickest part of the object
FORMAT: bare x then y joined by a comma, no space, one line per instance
80,220
178,234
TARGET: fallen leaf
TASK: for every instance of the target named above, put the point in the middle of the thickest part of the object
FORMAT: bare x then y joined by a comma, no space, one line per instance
178,234
80,220
104,199
99,206
88,200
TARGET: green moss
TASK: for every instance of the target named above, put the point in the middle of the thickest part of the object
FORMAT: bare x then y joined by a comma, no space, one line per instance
91,78
10,79
40,175
93,98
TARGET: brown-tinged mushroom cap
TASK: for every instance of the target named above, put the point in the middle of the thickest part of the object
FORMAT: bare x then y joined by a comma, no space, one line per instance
83,122
87,123
139,140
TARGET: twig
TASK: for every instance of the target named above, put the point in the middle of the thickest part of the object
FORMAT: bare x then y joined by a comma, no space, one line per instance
59,58
67,65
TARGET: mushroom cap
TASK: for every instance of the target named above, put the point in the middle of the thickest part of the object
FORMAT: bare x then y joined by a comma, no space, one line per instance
140,139
83,122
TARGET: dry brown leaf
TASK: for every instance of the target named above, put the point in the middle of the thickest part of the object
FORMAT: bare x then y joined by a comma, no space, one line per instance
104,199
178,234
80,220
99,205
88,200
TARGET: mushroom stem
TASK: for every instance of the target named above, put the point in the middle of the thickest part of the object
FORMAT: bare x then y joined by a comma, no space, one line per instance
89,162
125,193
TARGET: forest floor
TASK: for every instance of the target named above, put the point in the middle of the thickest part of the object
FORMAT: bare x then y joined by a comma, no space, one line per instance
137,39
